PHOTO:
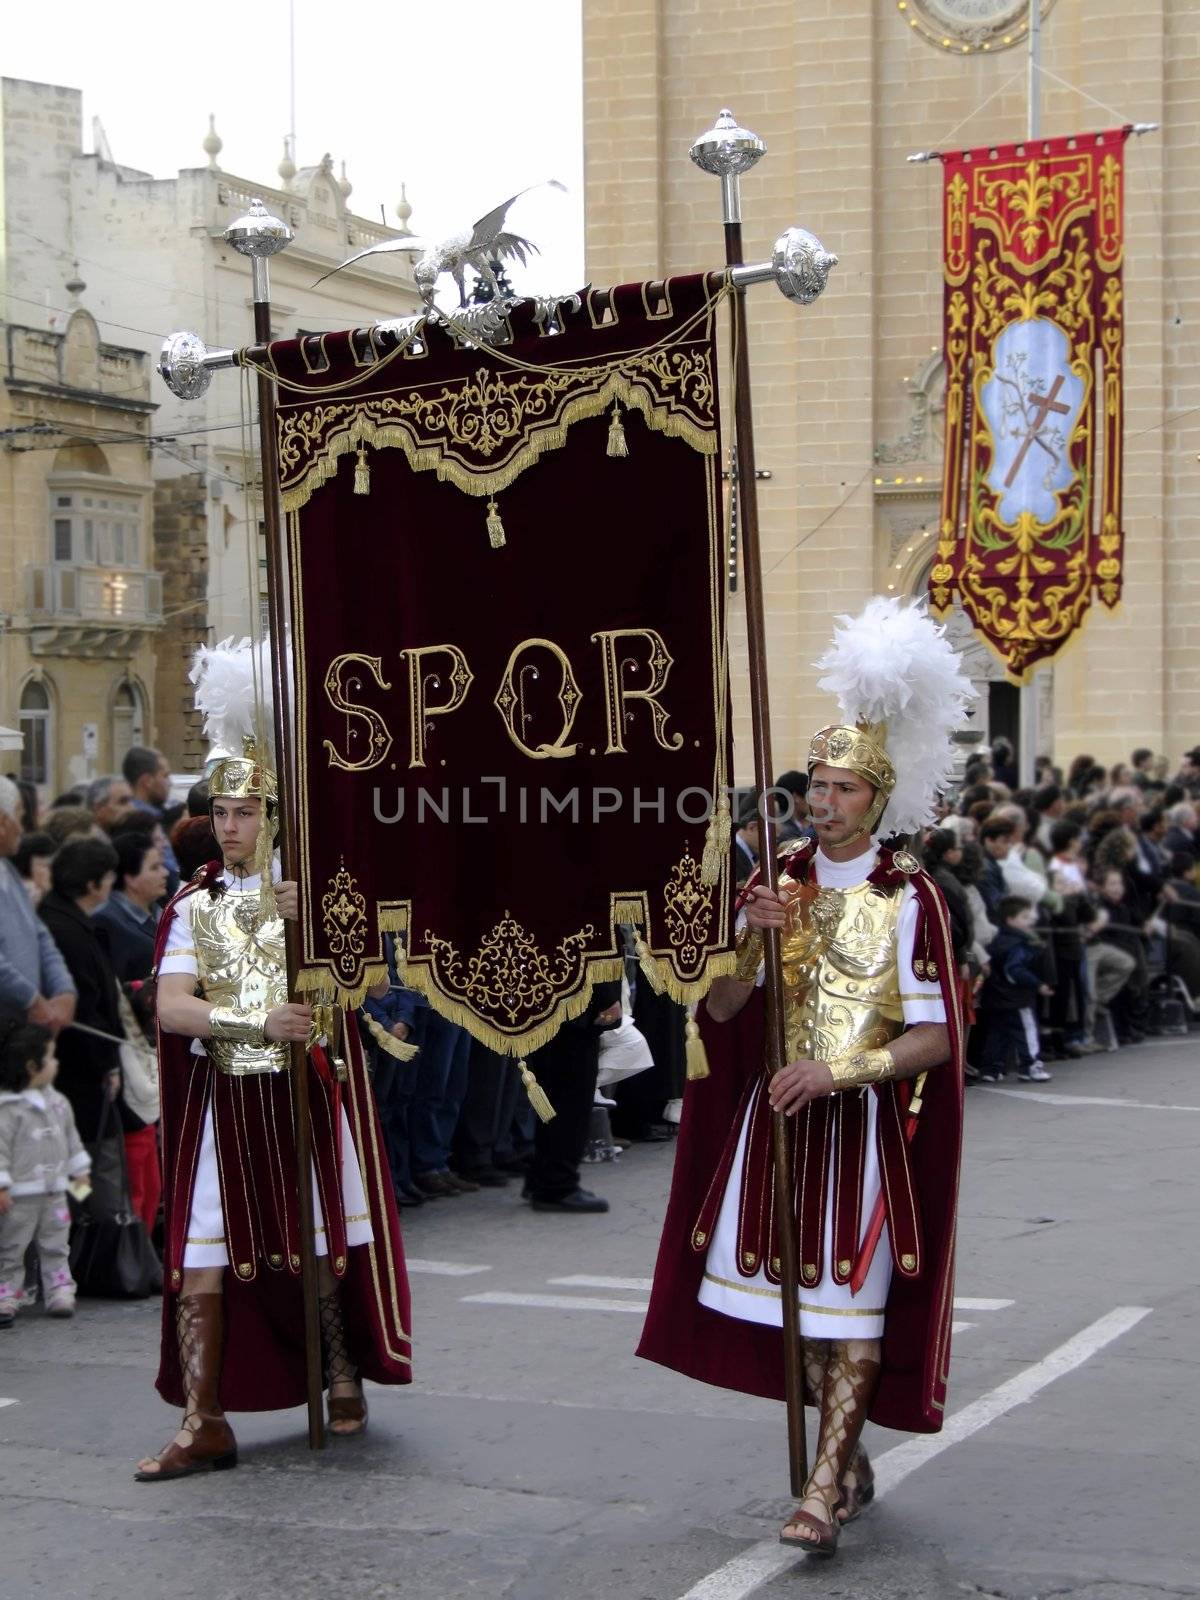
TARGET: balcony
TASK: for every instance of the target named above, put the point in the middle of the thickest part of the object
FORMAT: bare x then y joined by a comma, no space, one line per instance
78,610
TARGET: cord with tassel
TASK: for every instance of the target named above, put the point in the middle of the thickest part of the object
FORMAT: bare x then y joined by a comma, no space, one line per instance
716,842
398,1048
618,445
362,472
695,1054
538,1098
495,527
264,865
646,963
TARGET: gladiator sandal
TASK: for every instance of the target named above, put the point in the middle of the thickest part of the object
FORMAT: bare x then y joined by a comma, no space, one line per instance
858,1487
205,1441
347,1411
851,1375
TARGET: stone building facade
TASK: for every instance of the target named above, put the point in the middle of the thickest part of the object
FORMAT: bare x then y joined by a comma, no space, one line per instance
847,393
146,256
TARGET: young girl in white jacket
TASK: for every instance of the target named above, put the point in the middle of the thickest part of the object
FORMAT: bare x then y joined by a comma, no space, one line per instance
40,1157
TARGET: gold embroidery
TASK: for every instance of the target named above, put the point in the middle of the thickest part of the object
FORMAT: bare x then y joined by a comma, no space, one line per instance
510,702
774,1294
908,1262
510,978
219,1240
379,739
460,678
344,918
687,910
617,692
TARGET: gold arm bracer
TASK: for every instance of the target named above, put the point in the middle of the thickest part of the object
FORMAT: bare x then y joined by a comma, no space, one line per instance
866,1066
749,949
231,1025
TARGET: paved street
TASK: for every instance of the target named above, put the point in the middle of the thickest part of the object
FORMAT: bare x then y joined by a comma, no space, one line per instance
535,1459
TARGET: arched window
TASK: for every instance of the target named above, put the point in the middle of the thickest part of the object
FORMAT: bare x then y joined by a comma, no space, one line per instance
128,721
36,730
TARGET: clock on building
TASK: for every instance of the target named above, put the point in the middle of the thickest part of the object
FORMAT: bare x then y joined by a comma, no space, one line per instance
967,26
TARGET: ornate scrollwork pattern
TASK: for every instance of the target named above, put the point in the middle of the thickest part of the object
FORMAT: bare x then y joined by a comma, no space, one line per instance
344,919
510,980
687,911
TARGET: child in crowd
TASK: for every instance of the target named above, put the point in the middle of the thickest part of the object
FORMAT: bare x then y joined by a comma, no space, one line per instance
40,1157
1008,1000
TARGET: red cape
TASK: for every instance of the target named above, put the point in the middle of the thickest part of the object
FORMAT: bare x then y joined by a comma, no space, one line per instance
264,1365
690,1338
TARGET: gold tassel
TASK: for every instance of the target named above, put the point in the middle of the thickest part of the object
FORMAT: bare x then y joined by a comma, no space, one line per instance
537,1095
694,1052
362,472
388,1041
647,963
264,864
617,443
495,527
716,842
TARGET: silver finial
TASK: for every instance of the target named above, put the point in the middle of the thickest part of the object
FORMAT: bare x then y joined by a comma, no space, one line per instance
801,265
727,151
258,233
182,366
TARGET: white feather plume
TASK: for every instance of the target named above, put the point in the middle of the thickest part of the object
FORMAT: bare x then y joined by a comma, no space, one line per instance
233,693
892,663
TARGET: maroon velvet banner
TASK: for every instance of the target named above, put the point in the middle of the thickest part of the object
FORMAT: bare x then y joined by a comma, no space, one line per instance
507,572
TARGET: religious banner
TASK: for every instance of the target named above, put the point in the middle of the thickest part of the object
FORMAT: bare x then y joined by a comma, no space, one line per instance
1033,329
508,637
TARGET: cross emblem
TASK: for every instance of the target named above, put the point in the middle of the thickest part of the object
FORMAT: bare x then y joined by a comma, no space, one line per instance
1044,405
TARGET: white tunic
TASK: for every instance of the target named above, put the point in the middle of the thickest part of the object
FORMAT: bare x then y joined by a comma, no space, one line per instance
205,1245
827,1310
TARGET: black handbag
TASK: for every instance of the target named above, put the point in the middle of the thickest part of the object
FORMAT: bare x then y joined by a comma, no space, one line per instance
111,1254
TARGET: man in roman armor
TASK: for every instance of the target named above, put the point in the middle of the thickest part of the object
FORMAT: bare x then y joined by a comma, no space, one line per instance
872,1091
233,1322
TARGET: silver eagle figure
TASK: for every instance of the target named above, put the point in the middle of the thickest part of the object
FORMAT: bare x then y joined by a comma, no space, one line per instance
476,247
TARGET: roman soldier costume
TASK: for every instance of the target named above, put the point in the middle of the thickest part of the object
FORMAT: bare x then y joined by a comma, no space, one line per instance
866,955
230,1171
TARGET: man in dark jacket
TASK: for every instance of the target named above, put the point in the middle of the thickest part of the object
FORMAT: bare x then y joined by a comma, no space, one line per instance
89,1072
567,1068
997,836
1008,1000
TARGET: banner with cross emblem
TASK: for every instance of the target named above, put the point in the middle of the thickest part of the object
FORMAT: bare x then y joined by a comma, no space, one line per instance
1034,332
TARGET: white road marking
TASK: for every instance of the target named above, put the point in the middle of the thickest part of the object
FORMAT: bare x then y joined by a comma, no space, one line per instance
766,1560
1081,1099
966,1303
443,1269
554,1302
4,1403
582,1281
960,1327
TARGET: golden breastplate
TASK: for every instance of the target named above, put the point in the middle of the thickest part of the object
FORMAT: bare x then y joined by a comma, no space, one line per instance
243,966
840,974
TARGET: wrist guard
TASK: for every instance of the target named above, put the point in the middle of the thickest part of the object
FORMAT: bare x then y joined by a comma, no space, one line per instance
230,1025
749,949
867,1066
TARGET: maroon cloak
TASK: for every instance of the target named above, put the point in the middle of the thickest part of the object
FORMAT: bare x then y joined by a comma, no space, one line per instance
701,1343
264,1364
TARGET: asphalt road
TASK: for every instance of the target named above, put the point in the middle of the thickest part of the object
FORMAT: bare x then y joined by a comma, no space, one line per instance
535,1459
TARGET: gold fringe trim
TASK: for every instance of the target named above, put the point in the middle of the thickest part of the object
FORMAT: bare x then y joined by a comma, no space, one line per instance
541,440
600,969
538,1098
695,1054
630,911
716,843
388,1041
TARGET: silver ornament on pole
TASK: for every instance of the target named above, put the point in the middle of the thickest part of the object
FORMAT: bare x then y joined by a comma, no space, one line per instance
727,150
260,236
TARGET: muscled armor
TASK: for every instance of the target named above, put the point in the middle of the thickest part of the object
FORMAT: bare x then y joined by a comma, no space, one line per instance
243,972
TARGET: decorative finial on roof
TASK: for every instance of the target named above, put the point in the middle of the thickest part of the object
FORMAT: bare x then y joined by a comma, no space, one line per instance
213,143
403,209
287,167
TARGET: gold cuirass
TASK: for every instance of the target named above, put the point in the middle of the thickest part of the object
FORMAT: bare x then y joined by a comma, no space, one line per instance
243,966
840,974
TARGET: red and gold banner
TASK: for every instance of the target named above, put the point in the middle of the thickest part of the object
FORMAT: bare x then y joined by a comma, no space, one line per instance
1033,327
508,626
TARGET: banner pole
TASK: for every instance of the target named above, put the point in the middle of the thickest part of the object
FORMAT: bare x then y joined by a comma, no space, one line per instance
259,236
728,151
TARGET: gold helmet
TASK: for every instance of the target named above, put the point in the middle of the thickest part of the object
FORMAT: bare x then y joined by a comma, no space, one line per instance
245,777
859,749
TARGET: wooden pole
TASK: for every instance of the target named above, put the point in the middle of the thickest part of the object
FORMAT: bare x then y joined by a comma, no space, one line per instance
760,720
281,710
